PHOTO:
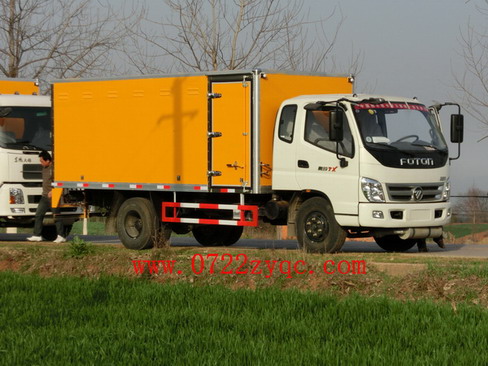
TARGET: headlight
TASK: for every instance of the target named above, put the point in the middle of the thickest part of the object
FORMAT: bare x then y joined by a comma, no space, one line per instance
16,196
446,193
372,190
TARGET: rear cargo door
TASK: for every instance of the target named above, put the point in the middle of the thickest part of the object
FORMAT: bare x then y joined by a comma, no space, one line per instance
230,134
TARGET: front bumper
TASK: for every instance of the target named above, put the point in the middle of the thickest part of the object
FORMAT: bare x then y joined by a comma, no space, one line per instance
395,215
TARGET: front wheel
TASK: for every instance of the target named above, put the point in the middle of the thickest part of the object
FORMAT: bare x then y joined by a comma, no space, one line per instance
317,228
393,243
137,223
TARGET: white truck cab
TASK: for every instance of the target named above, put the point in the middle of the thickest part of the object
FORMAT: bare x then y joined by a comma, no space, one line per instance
25,130
379,164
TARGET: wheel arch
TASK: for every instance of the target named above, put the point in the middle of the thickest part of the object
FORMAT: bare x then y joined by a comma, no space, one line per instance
119,197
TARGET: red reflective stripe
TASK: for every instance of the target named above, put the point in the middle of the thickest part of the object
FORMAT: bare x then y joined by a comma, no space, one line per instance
241,222
171,219
212,206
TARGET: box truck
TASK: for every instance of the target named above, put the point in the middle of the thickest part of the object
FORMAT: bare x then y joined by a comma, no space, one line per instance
25,130
212,153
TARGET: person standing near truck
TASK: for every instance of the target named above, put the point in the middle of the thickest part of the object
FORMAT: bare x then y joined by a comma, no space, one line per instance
46,161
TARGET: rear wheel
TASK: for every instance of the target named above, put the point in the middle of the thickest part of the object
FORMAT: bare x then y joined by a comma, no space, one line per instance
215,235
317,228
137,223
49,232
393,243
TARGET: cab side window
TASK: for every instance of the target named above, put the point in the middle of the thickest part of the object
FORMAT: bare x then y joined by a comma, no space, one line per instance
287,123
317,133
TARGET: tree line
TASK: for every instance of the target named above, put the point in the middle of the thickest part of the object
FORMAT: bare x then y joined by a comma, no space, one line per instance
471,206
52,39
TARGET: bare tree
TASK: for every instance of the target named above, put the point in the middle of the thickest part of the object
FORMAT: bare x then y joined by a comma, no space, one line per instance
472,206
204,35
58,38
473,82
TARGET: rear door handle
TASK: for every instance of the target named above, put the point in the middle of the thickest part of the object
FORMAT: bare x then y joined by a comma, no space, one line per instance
303,164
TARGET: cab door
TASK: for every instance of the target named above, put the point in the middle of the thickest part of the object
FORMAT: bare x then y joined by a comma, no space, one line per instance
318,166
230,134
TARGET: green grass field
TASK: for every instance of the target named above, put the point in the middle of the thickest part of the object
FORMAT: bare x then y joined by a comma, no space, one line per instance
460,230
68,320
94,228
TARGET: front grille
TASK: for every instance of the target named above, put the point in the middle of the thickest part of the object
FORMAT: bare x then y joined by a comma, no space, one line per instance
427,192
33,199
32,171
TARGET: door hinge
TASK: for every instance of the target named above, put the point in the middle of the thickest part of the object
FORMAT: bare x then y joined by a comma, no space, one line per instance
245,83
214,173
214,134
214,95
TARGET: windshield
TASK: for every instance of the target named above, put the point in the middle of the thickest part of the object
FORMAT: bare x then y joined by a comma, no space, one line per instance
25,128
406,127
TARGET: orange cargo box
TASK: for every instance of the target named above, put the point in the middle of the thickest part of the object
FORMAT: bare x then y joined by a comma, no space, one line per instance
213,131
18,86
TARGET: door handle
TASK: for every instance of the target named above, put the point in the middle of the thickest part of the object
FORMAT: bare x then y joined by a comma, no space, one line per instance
235,166
303,164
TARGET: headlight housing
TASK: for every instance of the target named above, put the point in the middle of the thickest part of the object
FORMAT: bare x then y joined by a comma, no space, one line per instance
16,196
446,193
372,190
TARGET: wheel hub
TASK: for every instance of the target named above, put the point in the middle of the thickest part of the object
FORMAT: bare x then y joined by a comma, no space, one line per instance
133,225
316,226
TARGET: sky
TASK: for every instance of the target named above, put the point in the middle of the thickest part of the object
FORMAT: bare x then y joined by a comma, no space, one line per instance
412,48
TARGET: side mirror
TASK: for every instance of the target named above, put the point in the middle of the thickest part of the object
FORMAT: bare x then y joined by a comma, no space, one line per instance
457,128
336,130
5,111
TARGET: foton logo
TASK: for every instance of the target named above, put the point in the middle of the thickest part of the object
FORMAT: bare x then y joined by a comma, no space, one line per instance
417,161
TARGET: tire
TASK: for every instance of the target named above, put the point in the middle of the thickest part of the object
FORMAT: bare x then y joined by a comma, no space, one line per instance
317,228
215,235
231,235
137,223
393,243
49,232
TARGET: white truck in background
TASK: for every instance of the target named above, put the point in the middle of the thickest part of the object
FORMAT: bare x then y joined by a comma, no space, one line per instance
25,130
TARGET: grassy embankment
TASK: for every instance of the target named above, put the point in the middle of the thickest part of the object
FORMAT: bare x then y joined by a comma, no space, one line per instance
67,320
78,303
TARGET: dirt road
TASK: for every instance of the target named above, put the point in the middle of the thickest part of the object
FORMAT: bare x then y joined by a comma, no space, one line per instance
451,250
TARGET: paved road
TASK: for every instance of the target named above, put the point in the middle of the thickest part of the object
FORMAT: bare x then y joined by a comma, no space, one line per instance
451,250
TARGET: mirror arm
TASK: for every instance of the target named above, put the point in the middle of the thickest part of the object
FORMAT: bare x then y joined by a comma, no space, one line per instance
459,154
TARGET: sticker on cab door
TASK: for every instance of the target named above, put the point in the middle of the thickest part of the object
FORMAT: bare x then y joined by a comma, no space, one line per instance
331,169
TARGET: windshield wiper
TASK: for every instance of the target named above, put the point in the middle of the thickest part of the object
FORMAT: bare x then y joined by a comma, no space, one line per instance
26,145
391,147
427,145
